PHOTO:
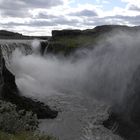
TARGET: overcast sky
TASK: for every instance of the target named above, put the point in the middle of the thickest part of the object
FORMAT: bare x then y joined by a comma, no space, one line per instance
40,17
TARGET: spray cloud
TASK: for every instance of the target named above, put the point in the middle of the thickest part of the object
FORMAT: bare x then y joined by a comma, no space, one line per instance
103,72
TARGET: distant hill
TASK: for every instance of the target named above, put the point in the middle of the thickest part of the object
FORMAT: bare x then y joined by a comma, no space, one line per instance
12,35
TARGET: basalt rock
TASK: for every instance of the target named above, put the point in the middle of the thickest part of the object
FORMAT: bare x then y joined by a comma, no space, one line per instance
9,92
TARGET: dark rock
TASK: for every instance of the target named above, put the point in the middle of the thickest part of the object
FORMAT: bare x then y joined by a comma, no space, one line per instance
8,78
43,45
42,111
127,114
58,48
8,33
61,33
127,130
132,98
9,92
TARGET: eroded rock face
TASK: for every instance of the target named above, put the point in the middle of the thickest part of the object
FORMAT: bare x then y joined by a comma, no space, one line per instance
9,92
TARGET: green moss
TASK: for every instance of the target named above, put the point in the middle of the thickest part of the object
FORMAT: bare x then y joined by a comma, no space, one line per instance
68,44
25,136
76,41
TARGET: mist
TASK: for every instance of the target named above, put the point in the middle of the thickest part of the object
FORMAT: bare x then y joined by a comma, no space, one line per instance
102,72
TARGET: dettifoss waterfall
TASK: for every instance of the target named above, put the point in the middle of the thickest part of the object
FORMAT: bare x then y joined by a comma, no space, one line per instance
82,86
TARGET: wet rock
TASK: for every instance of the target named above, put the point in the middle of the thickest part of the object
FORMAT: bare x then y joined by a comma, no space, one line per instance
126,116
43,45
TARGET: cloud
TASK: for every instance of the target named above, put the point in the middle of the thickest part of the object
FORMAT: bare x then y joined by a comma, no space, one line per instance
132,20
38,23
45,15
85,13
66,21
43,22
14,13
32,23
134,8
135,2
21,8
116,19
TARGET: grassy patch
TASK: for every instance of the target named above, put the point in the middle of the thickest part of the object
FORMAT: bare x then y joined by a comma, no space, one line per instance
13,121
68,44
25,136
76,41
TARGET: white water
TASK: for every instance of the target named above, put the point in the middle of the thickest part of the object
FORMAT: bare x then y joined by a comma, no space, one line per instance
79,118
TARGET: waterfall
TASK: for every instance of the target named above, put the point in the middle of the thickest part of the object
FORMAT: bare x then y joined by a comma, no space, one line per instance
10,47
75,84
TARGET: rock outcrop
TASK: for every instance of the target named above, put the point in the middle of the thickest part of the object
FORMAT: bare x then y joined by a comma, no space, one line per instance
9,92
